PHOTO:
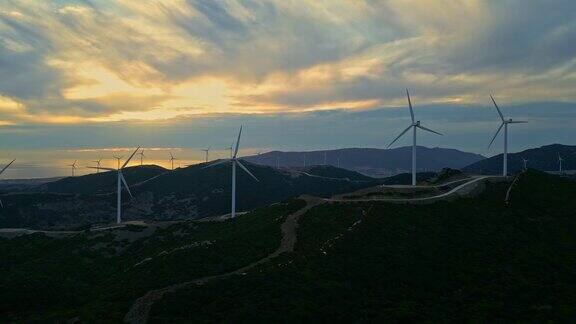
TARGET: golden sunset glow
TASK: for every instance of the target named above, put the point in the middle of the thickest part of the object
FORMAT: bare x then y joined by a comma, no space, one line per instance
128,60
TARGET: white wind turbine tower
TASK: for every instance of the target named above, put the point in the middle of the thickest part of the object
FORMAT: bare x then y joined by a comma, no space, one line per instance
234,160
560,159
525,164
172,158
73,166
120,181
504,124
207,152
141,153
2,171
98,165
415,125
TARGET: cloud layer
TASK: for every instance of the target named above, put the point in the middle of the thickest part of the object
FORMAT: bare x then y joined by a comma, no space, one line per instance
113,66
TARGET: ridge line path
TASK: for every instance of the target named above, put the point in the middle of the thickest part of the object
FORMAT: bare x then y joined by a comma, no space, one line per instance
140,309
420,199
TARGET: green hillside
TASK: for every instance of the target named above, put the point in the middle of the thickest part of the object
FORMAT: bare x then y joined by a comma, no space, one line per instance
468,260
96,275
185,193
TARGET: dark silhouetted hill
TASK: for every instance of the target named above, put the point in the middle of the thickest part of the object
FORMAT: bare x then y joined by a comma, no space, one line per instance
543,158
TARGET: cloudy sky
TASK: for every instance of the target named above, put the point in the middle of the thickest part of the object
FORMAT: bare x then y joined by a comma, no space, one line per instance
307,74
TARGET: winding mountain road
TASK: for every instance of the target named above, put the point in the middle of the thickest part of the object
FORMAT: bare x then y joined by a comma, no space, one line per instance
140,309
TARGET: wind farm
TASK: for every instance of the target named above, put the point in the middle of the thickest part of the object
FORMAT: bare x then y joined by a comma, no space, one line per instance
287,161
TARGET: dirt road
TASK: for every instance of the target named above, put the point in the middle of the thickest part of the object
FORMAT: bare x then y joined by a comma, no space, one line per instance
140,310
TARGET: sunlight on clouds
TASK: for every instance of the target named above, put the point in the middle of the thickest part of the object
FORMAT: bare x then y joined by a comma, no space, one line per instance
96,81
102,62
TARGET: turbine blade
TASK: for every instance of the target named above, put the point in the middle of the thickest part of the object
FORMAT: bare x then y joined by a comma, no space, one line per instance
238,142
428,129
517,122
410,105
125,184
245,169
130,158
498,131
497,108
7,165
216,163
404,132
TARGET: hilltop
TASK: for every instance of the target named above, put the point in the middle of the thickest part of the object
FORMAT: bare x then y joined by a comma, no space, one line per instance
472,258
185,193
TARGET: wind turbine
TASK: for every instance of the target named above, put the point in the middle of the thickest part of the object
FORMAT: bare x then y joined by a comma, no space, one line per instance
118,158
414,126
2,171
525,164
73,165
560,159
231,147
120,181
141,153
207,151
504,124
338,159
235,161
172,158
98,165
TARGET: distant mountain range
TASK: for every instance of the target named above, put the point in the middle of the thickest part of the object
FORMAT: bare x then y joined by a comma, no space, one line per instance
185,193
371,161
544,158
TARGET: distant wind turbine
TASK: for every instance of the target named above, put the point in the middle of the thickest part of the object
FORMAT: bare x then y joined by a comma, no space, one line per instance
230,148
560,159
141,153
172,158
97,165
338,159
207,152
2,171
119,183
118,158
504,124
415,125
525,164
73,166
235,161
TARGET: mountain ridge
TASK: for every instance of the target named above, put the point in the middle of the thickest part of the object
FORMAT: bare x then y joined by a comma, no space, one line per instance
373,162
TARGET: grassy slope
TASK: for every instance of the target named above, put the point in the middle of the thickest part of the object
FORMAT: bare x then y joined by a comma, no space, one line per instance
471,259
94,275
